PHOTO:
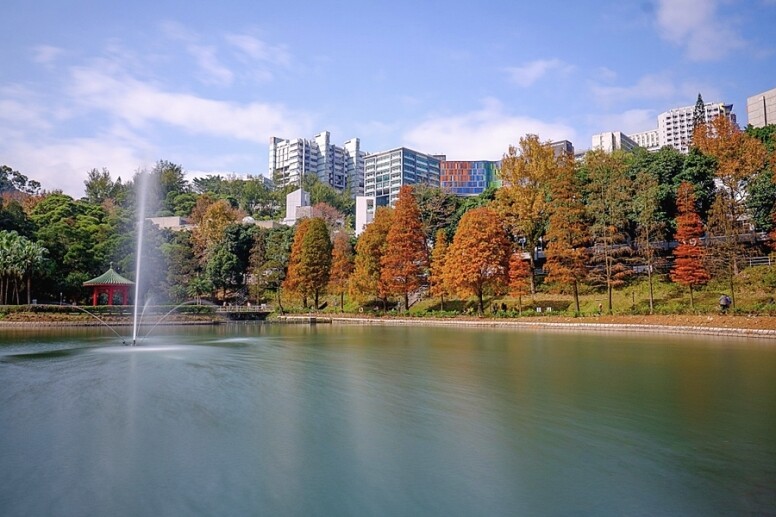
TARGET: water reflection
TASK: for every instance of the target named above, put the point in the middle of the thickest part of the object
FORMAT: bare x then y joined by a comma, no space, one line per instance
250,419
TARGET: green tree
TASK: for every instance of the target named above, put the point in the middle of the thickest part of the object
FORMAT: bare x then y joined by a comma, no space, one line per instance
650,229
315,259
609,191
437,268
437,209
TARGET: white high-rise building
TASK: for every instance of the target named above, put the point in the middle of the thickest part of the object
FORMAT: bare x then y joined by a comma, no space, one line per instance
761,108
613,140
675,126
649,140
339,167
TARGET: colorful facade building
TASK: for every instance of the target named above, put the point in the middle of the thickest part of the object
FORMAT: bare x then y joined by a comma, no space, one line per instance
467,178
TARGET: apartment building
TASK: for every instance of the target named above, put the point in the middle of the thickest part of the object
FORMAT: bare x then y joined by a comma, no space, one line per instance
386,172
675,126
613,140
340,167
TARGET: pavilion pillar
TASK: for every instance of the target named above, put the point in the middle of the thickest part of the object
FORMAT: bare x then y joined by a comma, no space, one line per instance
95,294
110,295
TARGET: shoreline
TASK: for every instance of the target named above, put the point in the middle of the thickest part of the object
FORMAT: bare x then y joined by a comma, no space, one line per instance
761,327
603,324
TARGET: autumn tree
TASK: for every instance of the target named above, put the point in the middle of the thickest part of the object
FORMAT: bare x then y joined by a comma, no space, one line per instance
405,260
609,192
739,158
209,232
567,235
519,276
437,268
523,199
478,259
341,266
689,266
370,247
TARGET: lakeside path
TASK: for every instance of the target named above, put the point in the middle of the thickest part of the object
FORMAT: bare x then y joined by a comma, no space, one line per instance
717,325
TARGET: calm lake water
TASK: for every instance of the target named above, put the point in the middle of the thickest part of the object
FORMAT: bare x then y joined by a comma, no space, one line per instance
296,420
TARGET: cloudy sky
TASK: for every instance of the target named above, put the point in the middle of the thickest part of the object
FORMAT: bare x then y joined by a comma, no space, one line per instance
93,84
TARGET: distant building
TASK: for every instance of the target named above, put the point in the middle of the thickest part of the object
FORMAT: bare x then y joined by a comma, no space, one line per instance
675,126
365,212
386,172
467,178
340,167
649,140
297,206
612,141
173,223
562,147
761,108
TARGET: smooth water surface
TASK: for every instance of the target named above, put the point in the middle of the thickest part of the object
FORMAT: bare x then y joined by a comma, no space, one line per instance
295,420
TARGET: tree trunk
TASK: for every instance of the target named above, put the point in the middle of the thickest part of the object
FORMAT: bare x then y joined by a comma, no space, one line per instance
29,290
651,291
576,296
480,305
280,305
316,300
609,295
520,304
533,272
342,301
442,303
406,301
732,293
692,302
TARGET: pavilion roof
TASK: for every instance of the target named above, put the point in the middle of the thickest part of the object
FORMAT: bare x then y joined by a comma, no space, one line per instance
110,277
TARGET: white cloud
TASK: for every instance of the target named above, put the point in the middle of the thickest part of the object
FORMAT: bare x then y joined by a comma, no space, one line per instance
529,73
485,134
630,121
139,103
695,25
46,54
214,71
259,50
654,87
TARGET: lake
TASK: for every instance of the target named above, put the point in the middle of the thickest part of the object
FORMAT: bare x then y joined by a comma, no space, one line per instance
263,419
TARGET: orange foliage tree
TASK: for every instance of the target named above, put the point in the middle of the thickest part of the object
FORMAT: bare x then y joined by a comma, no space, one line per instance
478,259
212,220
341,266
688,255
405,260
293,281
519,277
567,232
437,268
370,247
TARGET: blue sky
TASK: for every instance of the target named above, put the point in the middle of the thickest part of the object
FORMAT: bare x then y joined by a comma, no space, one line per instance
90,84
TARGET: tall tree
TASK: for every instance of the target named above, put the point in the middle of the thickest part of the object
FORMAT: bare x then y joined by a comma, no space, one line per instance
523,200
567,234
370,247
609,191
689,269
315,259
405,260
519,277
294,281
739,158
650,229
436,278
437,208
341,266
698,114
478,259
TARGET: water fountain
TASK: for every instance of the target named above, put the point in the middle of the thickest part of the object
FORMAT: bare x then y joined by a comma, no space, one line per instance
141,193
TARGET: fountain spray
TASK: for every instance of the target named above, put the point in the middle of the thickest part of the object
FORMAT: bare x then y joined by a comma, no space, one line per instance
141,201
